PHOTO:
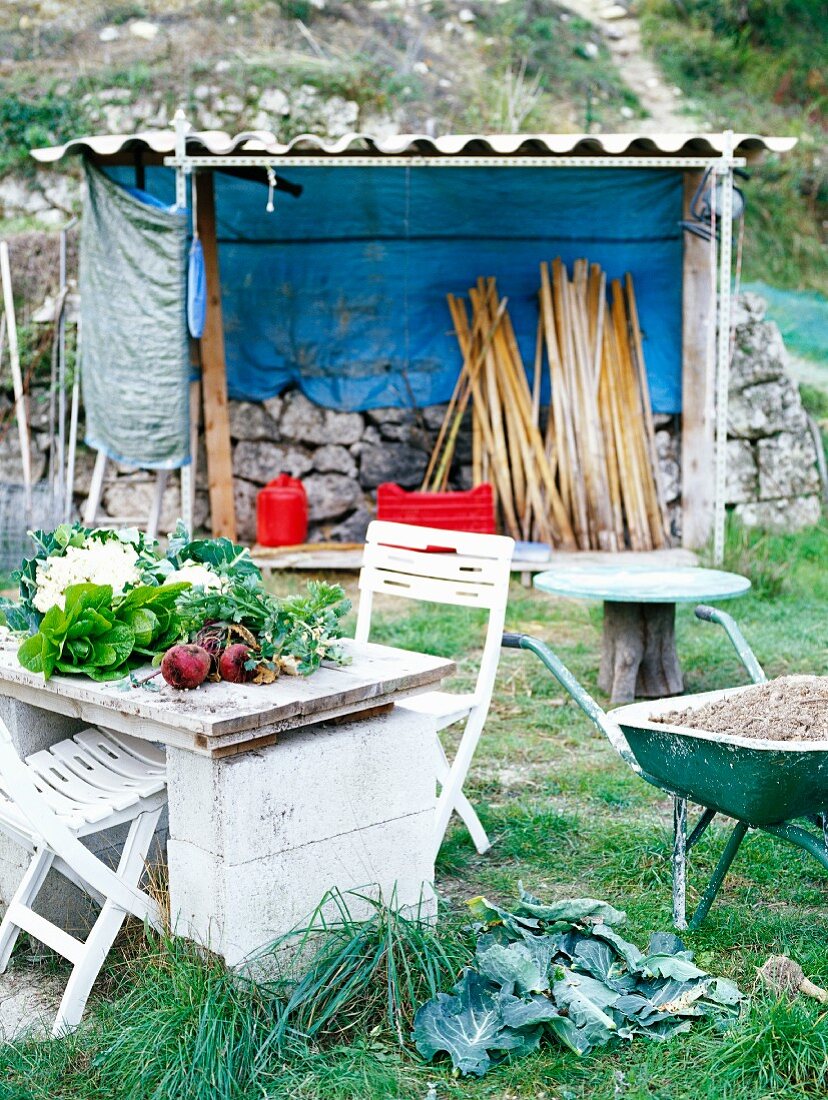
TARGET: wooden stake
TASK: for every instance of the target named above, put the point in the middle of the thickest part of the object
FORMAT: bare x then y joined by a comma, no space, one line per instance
214,371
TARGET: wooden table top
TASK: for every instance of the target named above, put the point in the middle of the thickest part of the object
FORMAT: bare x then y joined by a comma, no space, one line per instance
217,719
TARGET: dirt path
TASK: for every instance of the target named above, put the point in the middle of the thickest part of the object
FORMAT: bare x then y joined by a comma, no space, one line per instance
667,111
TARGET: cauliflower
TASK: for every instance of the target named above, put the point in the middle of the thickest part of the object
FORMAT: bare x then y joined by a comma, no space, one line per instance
96,562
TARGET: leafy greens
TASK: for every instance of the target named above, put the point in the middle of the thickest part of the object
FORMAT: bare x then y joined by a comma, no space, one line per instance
101,635
562,970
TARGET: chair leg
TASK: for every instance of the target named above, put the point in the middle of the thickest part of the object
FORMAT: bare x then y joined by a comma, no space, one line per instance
452,799
100,939
25,894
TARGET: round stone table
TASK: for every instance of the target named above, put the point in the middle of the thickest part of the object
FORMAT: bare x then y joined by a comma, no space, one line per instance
638,646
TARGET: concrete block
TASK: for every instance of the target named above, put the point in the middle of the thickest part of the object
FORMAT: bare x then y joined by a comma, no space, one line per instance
316,783
237,910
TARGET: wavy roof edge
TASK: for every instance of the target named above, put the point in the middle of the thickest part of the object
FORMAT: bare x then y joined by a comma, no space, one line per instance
219,143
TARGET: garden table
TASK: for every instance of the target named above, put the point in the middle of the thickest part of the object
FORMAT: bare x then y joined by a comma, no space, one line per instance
277,793
638,643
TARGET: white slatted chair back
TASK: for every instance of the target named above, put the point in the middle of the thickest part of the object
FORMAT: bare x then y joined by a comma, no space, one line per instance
473,571
49,801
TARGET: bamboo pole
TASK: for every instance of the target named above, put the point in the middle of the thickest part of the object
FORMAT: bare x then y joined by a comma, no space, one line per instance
646,403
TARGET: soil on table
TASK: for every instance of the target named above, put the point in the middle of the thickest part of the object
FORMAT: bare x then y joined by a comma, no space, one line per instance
791,708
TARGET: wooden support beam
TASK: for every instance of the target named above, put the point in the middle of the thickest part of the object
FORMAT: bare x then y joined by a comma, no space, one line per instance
214,372
698,383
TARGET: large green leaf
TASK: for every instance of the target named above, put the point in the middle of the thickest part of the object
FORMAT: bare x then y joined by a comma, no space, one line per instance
144,624
671,966
468,1025
586,1000
521,1012
571,911
39,654
628,951
487,912
512,965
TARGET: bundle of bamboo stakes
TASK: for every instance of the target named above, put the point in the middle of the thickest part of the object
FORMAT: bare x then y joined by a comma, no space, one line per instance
589,477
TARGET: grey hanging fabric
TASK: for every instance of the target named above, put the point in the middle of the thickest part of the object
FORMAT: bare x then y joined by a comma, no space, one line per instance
135,366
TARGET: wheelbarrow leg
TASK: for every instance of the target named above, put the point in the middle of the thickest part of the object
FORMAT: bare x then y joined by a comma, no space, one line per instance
717,878
679,861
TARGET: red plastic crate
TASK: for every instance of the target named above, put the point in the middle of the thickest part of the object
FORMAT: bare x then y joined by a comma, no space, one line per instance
470,510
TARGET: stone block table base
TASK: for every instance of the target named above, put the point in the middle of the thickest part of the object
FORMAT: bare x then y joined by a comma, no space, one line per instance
638,652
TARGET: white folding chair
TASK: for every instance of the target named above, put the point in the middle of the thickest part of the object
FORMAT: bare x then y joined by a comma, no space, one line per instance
87,784
473,573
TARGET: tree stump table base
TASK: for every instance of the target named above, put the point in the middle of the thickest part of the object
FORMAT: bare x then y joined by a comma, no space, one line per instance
638,652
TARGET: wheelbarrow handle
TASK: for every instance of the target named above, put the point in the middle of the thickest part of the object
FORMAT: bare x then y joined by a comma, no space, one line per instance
740,644
580,695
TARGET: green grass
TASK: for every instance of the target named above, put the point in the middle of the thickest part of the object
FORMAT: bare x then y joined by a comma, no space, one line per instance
759,67
566,817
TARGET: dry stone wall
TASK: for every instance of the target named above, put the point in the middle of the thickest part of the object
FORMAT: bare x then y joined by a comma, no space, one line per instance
342,457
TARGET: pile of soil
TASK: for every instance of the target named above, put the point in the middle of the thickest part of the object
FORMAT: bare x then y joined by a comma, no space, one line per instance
792,708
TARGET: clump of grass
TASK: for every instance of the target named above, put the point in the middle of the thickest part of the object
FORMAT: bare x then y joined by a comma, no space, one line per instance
753,553
780,1045
365,973
186,1026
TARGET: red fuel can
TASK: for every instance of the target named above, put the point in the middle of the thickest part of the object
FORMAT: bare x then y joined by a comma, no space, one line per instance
282,512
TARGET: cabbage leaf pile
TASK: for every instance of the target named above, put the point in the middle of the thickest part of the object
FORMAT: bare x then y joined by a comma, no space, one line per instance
562,971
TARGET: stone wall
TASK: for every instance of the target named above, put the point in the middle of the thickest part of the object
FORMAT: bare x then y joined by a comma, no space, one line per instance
773,479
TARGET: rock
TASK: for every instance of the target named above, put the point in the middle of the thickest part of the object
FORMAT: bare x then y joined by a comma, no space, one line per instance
787,466
230,105
249,420
589,50
244,499
132,497
433,416
344,428
613,11
352,528
144,30
668,461
305,422
395,462
330,495
11,465
758,355
466,15
765,409
742,472
84,465
273,101
273,407
333,458
260,462
109,34
339,115
791,514
747,309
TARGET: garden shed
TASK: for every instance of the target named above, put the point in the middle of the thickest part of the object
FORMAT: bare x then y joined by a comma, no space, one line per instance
327,263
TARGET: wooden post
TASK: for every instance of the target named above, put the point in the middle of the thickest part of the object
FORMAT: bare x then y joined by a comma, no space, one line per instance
214,372
698,383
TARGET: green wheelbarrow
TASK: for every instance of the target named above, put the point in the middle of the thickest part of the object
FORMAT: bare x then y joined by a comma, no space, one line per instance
761,784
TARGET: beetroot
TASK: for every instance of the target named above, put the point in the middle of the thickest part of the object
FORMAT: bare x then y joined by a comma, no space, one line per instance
186,666
231,664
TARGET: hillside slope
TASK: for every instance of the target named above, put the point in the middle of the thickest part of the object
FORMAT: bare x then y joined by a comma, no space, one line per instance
384,66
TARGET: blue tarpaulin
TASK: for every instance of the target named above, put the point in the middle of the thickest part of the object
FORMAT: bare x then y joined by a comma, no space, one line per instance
342,290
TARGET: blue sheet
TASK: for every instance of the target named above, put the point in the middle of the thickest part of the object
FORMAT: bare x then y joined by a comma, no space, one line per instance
342,290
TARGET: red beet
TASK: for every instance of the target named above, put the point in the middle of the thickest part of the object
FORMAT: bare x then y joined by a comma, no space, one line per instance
186,666
231,664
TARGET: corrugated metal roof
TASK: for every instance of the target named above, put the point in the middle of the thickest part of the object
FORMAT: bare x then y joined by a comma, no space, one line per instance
218,143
